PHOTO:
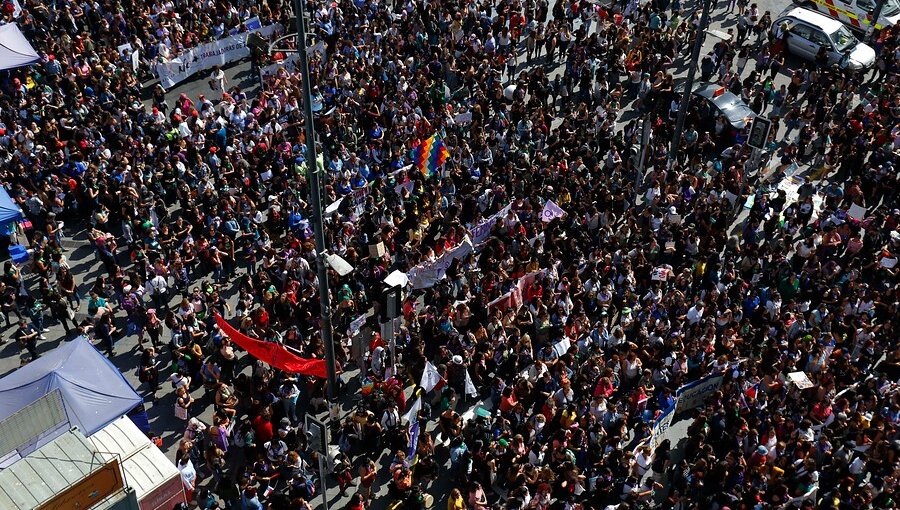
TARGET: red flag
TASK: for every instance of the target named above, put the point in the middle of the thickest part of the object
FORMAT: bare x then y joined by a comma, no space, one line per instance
274,354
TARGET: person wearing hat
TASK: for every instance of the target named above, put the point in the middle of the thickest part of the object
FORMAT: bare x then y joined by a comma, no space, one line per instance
292,436
456,375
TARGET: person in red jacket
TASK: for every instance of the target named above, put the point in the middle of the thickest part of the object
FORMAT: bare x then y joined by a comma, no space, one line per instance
262,425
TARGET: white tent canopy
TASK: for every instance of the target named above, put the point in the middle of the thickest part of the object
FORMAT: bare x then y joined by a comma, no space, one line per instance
15,50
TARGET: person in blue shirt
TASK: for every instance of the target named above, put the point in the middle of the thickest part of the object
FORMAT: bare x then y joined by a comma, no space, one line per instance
335,165
751,304
343,187
365,171
666,399
249,501
655,21
358,181
214,161
230,226
376,133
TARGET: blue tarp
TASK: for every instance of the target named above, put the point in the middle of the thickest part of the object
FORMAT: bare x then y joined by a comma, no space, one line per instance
9,210
94,392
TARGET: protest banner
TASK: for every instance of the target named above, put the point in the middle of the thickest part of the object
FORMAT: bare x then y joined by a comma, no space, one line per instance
480,233
512,299
358,200
695,394
356,325
426,275
206,56
409,186
660,274
660,428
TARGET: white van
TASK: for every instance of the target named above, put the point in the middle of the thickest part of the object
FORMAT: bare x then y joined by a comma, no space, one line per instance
808,32
857,14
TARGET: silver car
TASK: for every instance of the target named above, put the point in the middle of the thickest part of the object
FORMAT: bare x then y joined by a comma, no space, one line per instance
808,32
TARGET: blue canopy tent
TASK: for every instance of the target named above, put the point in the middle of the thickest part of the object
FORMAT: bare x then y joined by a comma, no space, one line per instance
92,390
10,215
10,212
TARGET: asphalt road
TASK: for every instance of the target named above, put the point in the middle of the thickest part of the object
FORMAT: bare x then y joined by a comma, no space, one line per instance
161,412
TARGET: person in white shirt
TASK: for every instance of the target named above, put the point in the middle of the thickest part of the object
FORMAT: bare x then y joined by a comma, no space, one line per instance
391,418
642,460
217,79
158,288
188,475
276,450
695,313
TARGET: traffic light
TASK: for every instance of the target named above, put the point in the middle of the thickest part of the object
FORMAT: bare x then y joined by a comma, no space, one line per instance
390,299
759,132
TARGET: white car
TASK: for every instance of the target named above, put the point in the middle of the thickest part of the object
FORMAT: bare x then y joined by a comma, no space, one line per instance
808,32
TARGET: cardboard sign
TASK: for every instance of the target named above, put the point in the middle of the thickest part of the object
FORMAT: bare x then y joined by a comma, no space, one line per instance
463,118
800,380
660,274
857,212
376,250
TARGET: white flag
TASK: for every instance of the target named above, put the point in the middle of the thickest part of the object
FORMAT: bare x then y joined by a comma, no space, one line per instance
551,212
413,411
470,386
430,377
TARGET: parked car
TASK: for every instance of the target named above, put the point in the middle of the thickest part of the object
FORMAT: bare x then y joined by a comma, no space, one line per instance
725,103
807,32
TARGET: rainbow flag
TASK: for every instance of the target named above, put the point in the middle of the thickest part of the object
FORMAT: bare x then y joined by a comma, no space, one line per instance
429,155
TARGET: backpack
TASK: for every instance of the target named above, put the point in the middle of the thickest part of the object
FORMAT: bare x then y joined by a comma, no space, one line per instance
157,290
130,303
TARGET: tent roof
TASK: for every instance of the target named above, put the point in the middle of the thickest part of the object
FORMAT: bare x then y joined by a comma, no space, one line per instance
9,210
15,50
94,392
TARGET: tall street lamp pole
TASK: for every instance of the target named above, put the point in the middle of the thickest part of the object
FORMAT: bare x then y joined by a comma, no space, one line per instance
314,175
689,83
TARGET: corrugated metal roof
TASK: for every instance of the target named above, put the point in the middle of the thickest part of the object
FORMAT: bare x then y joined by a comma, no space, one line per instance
145,467
47,471
67,459
147,470
120,437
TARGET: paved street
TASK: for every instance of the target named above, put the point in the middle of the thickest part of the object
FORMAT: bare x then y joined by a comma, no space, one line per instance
161,413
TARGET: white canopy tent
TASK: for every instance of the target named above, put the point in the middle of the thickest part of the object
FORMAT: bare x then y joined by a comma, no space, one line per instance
15,50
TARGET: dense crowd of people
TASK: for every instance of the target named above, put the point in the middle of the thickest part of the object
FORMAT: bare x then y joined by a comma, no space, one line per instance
557,343
90,35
